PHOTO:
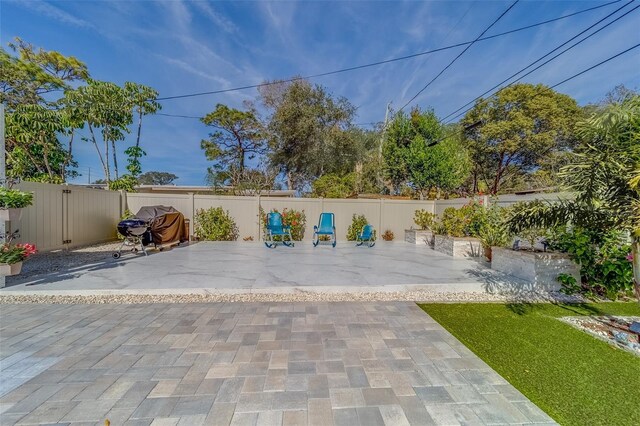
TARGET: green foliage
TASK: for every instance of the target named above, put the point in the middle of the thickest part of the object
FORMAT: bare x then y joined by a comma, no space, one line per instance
14,199
605,267
124,182
603,177
522,126
309,132
25,78
532,235
409,158
332,185
295,219
239,136
357,223
215,224
494,231
560,369
424,219
134,153
156,178
466,221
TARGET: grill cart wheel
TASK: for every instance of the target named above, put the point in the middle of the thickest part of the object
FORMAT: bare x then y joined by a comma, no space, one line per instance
116,255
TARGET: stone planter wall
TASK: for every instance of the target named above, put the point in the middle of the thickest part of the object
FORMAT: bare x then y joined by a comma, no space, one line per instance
540,269
418,236
457,247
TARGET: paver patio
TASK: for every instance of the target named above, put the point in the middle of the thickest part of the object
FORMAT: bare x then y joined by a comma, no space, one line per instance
239,267
245,363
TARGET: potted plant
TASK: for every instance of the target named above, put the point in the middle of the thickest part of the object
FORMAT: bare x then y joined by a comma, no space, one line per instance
494,231
11,257
11,203
424,235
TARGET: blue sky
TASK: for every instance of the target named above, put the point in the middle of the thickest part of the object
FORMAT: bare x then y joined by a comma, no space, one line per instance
181,47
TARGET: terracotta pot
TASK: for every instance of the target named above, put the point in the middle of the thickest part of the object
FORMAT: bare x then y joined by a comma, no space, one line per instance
10,215
488,253
7,269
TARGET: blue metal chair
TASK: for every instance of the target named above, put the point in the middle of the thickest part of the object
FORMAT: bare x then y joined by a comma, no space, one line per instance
275,228
367,235
326,226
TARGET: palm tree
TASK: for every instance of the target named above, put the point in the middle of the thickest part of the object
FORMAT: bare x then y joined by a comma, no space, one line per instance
605,178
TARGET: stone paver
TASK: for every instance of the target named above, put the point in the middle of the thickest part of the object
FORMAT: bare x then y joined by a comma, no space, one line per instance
377,363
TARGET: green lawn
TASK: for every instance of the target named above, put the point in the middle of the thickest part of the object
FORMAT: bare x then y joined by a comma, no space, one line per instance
575,378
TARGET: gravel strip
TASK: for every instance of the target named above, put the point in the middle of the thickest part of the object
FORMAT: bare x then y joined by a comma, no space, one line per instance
417,296
62,260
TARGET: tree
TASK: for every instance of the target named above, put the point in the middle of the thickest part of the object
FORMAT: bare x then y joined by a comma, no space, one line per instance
25,79
105,107
308,132
334,186
239,136
521,126
35,125
605,177
156,178
416,151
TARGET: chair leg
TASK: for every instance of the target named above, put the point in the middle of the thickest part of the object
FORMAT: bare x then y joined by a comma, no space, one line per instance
315,240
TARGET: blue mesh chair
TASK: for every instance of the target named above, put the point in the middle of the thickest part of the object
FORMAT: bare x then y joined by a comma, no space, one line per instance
326,226
275,228
367,235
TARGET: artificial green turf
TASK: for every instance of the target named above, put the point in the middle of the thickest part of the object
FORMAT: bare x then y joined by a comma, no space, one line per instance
574,377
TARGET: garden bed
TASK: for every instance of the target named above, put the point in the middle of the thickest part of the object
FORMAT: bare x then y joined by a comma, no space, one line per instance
419,237
457,246
538,268
611,329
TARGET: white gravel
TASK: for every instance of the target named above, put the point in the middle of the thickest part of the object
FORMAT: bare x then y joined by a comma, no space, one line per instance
414,296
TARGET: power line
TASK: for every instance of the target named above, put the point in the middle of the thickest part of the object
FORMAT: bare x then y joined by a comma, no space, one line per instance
401,58
459,55
544,56
461,132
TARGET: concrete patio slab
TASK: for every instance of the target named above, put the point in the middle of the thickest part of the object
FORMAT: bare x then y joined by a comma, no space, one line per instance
245,363
236,267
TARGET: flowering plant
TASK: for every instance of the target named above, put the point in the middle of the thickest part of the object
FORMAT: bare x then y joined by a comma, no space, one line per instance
14,254
297,220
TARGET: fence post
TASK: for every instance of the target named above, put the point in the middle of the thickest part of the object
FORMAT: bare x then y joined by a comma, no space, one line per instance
380,216
257,198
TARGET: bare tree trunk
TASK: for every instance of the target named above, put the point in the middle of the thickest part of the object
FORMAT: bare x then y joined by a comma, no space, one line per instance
45,156
106,160
115,158
105,167
67,160
139,128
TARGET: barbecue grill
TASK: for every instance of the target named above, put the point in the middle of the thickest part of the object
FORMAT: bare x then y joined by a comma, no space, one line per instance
135,232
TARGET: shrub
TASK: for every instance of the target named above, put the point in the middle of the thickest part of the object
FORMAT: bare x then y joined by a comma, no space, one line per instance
357,223
388,235
494,232
466,221
14,199
424,219
604,259
297,220
215,224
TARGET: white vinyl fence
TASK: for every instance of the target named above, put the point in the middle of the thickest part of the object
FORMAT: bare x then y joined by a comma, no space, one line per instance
383,214
65,216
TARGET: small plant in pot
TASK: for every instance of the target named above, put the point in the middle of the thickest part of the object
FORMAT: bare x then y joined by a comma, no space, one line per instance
11,203
11,257
424,219
494,232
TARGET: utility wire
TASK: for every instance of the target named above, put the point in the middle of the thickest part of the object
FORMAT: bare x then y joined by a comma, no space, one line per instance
459,55
544,56
401,58
461,132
